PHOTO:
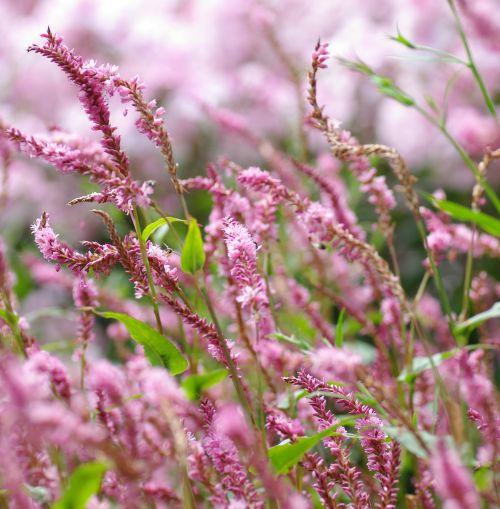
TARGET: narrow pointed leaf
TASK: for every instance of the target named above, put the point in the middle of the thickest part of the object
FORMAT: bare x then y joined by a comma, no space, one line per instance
477,320
403,40
194,385
488,223
159,350
152,227
421,364
286,455
193,255
339,330
85,481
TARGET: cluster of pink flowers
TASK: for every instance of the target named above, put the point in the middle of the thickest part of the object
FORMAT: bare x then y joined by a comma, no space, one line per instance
271,353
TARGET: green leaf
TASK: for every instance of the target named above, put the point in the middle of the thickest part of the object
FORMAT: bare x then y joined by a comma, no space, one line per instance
287,454
84,482
6,317
420,364
387,87
488,223
193,255
483,478
410,442
194,385
358,66
339,330
476,320
159,350
403,40
152,227
300,343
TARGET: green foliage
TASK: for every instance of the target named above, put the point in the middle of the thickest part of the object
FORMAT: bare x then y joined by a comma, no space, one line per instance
384,84
286,455
193,255
387,87
477,320
299,343
84,482
401,39
152,227
410,442
339,330
488,223
420,364
159,350
195,385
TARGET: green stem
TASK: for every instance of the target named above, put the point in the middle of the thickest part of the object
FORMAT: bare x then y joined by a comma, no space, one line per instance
14,325
240,391
471,64
144,256
465,157
438,280
468,275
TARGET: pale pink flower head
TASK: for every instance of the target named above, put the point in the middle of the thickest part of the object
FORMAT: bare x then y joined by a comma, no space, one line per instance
230,421
85,292
452,480
107,379
320,55
242,254
335,364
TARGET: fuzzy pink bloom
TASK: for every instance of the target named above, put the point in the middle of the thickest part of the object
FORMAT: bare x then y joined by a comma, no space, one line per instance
452,480
334,189
335,364
446,238
76,156
224,456
206,330
262,181
101,259
278,422
85,295
242,254
164,274
320,55
44,363
54,250
91,82
391,320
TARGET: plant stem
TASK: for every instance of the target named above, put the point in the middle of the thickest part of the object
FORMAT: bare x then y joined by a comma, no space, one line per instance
465,157
471,64
468,275
144,256
438,280
240,391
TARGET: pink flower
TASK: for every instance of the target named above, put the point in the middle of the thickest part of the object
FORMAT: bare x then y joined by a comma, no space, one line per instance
452,480
320,55
242,254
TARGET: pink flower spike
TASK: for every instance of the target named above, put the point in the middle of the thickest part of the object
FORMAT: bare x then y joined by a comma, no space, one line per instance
320,55
453,482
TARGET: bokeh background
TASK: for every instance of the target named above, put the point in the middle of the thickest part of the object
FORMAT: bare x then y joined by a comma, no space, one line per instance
215,63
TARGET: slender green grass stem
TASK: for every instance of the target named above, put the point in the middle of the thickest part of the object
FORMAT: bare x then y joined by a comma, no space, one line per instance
468,275
13,325
471,63
240,391
144,256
